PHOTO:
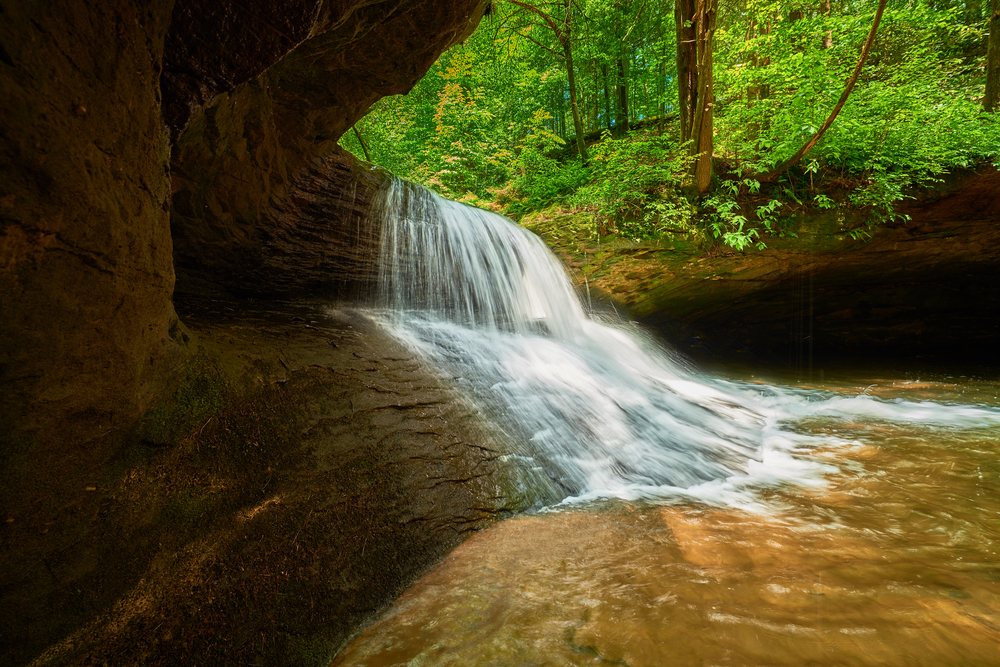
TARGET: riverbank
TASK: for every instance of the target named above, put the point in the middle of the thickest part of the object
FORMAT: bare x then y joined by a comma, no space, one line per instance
918,289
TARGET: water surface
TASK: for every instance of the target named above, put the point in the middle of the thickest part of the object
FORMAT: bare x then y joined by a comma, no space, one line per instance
693,519
888,558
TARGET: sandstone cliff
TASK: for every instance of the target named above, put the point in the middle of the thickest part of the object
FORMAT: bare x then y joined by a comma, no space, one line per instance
137,137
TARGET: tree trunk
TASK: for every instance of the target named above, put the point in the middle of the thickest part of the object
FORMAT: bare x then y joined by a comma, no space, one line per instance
559,102
607,96
762,91
661,91
361,141
991,101
826,10
567,45
564,35
704,132
687,60
621,118
695,37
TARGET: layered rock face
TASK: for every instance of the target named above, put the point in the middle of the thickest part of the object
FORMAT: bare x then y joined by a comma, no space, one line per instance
234,166
89,335
919,288
86,267
263,157
140,138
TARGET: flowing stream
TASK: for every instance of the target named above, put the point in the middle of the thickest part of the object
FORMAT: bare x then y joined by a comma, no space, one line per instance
696,520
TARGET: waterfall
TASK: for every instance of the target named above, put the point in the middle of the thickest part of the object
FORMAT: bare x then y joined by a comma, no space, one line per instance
600,408
465,265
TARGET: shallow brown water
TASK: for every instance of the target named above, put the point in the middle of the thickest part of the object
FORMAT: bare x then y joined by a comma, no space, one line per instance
889,559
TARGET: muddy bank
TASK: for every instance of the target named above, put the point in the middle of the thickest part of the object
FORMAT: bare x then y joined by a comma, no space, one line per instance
305,471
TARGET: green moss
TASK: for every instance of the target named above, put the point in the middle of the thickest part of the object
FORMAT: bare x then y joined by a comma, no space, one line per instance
202,392
309,651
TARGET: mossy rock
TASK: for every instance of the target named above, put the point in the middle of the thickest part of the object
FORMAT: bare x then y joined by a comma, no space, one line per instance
201,393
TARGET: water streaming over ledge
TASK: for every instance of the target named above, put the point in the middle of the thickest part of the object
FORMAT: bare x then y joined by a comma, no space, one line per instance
602,410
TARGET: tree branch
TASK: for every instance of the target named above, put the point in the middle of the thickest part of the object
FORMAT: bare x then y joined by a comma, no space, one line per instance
539,44
632,27
545,17
792,161
361,141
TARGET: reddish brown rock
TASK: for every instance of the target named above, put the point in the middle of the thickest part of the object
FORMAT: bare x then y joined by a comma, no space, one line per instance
88,336
919,289
86,270
246,168
332,471
92,355
318,244
212,47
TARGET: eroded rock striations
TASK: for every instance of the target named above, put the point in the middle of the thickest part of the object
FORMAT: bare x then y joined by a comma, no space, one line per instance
257,157
142,138
86,248
279,524
921,288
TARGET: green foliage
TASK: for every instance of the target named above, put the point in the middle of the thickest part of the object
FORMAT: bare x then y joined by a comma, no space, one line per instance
462,129
491,124
638,187
724,219
915,111
539,178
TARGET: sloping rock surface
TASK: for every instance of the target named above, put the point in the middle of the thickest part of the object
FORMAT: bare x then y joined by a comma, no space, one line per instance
145,519
336,474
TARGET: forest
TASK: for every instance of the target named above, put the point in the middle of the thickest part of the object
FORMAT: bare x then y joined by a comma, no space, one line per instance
716,118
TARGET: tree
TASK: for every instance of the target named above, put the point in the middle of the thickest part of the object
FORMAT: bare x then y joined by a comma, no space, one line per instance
625,43
840,104
991,100
695,43
755,87
564,33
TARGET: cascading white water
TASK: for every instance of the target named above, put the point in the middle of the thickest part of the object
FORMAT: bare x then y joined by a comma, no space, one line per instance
471,267
603,411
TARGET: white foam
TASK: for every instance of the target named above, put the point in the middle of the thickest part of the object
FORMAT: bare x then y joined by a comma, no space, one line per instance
604,411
